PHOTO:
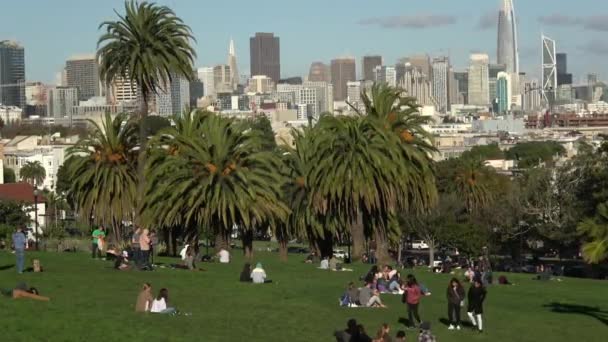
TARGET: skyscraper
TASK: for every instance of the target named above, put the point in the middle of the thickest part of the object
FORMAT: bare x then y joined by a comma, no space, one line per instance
503,92
369,65
462,84
12,74
222,79
479,87
493,71
206,76
175,98
440,67
561,67
422,63
319,72
385,74
265,55
417,84
82,72
60,101
343,70
234,69
123,90
549,70
508,50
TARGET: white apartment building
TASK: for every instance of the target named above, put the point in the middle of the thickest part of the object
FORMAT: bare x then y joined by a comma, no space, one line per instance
10,114
260,84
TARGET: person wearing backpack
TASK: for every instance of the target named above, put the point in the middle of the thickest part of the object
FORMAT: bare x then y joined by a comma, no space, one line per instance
411,296
455,296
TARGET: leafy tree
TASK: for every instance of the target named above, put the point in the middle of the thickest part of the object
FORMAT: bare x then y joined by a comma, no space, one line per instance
154,124
531,154
9,175
596,231
103,173
484,152
262,124
33,173
472,184
12,214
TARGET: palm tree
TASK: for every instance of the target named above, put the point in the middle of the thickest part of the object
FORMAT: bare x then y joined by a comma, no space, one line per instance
148,45
33,173
596,250
471,184
211,171
103,171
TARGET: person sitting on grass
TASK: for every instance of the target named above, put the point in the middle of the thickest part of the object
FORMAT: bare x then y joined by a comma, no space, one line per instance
121,262
383,334
224,256
246,273
425,333
369,297
189,259
351,333
144,299
258,275
400,336
23,291
160,304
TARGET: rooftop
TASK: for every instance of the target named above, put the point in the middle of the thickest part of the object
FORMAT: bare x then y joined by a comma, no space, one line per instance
19,192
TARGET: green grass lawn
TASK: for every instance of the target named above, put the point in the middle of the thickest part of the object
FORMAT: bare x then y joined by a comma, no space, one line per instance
93,302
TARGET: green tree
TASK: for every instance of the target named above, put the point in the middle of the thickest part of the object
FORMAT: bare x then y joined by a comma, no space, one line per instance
154,124
147,45
484,152
472,184
12,214
9,175
211,171
596,231
103,173
33,173
531,154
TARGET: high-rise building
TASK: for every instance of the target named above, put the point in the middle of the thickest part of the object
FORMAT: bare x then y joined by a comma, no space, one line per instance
123,90
561,67
35,93
265,54
385,74
462,86
325,94
61,101
222,79
355,90
532,96
422,63
319,72
508,50
234,69
493,71
369,64
12,74
503,92
440,84
549,71
206,76
175,99
260,84
343,70
82,72
479,83
417,84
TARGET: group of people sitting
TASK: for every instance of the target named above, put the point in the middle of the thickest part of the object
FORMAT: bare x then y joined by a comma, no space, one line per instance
355,332
159,304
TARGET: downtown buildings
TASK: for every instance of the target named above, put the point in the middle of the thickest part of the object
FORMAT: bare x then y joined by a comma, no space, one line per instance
82,73
265,55
343,70
12,74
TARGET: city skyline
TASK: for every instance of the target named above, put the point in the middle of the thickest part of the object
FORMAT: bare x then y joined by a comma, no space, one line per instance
434,27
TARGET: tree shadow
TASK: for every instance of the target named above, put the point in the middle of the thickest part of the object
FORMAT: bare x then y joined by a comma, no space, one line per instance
6,267
594,312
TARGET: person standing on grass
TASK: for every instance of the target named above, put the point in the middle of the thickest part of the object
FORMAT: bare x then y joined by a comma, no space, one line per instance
476,297
135,246
19,243
455,295
412,293
98,234
144,245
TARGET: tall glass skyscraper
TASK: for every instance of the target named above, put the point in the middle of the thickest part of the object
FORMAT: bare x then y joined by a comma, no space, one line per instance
508,53
12,74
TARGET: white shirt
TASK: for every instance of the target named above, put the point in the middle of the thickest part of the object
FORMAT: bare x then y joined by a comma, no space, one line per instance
224,256
158,305
324,264
182,253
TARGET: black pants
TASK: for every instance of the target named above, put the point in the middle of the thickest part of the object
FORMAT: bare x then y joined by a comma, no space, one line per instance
412,312
96,251
454,313
145,259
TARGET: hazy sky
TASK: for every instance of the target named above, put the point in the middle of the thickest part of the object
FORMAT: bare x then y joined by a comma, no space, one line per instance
53,30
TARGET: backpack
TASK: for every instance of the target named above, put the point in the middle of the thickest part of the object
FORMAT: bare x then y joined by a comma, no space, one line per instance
345,299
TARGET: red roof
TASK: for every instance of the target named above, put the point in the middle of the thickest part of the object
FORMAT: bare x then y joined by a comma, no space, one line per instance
19,192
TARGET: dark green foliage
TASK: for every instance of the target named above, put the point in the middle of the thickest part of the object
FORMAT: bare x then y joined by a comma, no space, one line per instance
484,152
9,175
154,124
12,214
530,154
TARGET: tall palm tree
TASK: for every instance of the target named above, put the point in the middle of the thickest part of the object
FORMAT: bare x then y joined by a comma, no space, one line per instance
103,171
210,171
147,45
471,183
595,250
33,173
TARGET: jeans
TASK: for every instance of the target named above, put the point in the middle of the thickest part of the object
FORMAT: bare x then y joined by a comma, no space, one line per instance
412,312
168,311
454,313
144,259
20,255
96,251
137,256
394,286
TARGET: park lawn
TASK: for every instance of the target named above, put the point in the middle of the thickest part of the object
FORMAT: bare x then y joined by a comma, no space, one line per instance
93,302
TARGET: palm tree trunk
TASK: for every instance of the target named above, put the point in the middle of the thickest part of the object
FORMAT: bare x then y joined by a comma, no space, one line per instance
222,240
143,145
247,239
283,250
358,238
431,252
382,255
326,245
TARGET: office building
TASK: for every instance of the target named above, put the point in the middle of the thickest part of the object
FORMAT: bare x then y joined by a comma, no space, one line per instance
507,52
123,90
532,96
561,67
417,84
234,69
260,84
222,79
503,92
82,73
35,93
174,99
462,86
60,101
325,93
385,74
549,70
206,76
265,55
12,74
493,71
319,72
479,84
343,70
440,84
369,65
422,63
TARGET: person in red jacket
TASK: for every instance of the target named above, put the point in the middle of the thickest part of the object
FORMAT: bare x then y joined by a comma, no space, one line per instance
411,296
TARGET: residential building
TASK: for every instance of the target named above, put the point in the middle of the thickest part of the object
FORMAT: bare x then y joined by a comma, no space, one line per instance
10,114
422,63
325,92
98,106
479,92
440,83
503,92
35,208
61,100
35,93
260,84
206,75
319,72
82,73
12,74
385,74
532,96
418,85
343,70
265,55
175,99
369,65
123,90
222,78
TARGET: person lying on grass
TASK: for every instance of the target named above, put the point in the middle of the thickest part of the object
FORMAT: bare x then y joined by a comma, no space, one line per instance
22,291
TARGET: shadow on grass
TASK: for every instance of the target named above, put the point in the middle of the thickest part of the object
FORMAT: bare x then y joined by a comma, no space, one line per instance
6,267
594,312
446,322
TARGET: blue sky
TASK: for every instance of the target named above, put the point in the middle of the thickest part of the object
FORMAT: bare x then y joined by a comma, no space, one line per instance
53,30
